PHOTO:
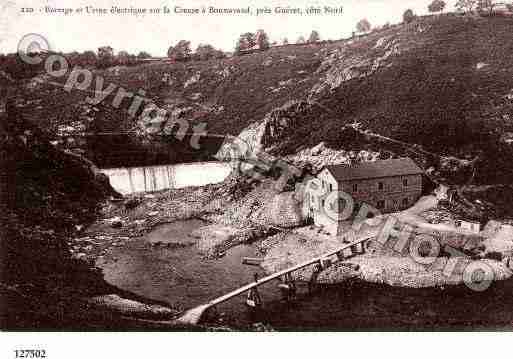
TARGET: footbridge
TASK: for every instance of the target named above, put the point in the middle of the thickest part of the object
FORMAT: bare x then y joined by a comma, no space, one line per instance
193,316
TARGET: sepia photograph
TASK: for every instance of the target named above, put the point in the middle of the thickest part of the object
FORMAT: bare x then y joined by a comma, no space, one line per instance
255,166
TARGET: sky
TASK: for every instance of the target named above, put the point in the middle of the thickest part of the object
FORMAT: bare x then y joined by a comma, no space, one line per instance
155,33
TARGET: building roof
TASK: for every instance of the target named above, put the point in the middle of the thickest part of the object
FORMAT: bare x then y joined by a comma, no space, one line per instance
377,169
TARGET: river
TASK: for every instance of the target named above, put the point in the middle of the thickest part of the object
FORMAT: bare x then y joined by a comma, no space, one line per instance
166,265
175,272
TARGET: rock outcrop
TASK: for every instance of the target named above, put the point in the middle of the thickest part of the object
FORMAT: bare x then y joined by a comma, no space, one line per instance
46,192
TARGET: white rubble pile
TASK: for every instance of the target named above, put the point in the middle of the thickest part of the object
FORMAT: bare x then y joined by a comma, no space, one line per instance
320,156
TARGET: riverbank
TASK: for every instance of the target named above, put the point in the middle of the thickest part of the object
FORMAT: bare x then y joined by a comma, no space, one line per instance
229,215
50,197
392,262
235,212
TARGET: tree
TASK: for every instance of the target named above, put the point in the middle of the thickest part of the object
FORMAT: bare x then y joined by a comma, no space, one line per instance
105,51
285,41
408,16
181,52
262,40
363,26
205,52
105,56
301,40
143,55
123,58
73,58
314,37
88,58
486,6
437,6
246,41
466,5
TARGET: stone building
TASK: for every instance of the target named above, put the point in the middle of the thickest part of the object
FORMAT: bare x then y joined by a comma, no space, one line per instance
388,185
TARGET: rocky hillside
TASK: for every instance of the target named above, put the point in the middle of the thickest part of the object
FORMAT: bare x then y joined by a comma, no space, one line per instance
442,83
46,196
438,87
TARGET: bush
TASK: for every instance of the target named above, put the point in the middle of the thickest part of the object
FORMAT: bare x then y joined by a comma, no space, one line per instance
181,52
363,26
262,40
246,41
409,16
314,37
436,6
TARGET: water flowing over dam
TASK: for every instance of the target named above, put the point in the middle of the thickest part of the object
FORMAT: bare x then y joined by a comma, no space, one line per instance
155,178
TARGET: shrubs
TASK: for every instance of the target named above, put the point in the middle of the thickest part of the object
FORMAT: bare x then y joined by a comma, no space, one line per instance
180,52
105,56
143,55
437,6
249,42
314,37
409,16
363,26
206,52
466,6
245,42
262,40
49,192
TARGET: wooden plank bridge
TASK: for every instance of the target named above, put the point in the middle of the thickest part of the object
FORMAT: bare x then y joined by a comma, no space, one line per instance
193,316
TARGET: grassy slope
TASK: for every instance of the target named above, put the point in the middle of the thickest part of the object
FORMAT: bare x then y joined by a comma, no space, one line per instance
433,91
430,93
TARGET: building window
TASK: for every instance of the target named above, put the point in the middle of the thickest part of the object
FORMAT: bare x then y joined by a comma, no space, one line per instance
405,182
323,203
381,204
380,186
405,201
355,187
331,187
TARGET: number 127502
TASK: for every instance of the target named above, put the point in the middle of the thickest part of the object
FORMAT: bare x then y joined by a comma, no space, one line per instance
30,353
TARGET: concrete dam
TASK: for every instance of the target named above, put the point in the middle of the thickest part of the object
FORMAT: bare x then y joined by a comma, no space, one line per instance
128,180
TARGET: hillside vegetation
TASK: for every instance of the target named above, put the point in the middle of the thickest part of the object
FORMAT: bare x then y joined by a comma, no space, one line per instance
444,83
439,89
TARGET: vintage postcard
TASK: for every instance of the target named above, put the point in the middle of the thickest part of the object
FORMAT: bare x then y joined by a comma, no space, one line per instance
249,166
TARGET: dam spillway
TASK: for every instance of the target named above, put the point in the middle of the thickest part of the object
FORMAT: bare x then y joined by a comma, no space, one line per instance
127,180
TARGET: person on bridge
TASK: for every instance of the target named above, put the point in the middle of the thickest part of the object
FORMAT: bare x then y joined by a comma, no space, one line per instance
254,300
292,287
312,284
